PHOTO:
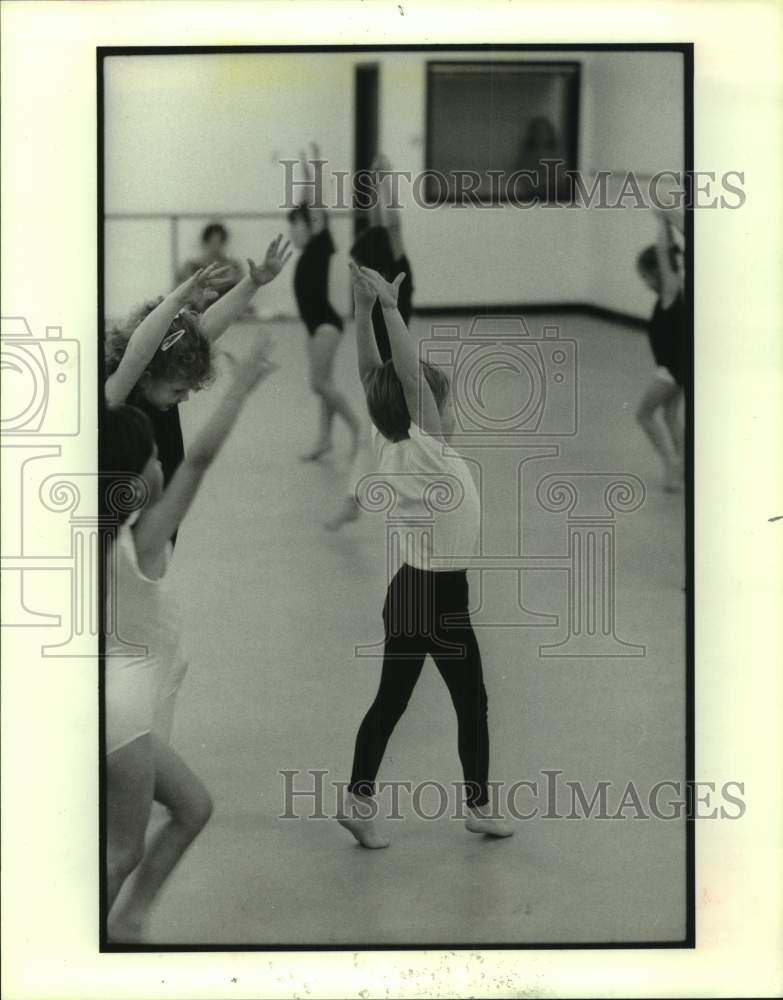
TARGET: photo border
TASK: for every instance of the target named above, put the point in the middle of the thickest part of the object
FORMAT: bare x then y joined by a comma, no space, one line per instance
686,49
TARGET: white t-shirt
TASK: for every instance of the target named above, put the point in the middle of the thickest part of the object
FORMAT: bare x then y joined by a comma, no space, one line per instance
435,506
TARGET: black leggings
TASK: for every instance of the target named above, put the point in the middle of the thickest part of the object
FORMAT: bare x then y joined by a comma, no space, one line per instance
427,612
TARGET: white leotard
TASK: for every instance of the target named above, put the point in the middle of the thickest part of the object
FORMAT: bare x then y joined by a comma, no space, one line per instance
144,661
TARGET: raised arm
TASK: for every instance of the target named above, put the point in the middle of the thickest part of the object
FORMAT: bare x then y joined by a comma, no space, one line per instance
147,336
221,314
665,245
317,214
364,296
159,522
418,395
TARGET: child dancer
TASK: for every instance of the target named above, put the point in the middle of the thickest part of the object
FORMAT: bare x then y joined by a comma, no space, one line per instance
310,234
164,353
659,269
381,248
140,764
214,241
426,609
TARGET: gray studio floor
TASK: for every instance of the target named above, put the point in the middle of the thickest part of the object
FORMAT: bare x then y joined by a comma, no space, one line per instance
273,607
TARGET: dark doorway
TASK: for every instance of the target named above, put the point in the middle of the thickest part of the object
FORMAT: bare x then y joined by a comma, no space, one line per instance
365,132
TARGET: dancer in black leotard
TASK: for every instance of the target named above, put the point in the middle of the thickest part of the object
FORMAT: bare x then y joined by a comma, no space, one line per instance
311,279
310,234
380,247
660,270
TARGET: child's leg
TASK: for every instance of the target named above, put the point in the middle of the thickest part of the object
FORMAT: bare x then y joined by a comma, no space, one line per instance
464,678
671,415
347,510
401,669
325,409
465,681
130,779
659,393
360,465
170,683
326,414
190,807
323,347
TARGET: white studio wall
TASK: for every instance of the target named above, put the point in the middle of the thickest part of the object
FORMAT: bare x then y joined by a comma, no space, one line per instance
635,110
631,120
205,134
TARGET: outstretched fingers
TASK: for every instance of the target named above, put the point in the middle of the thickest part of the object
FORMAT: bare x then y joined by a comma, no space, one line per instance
385,289
277,255
361,283
371,274
285,252
214,270
273,250
215,275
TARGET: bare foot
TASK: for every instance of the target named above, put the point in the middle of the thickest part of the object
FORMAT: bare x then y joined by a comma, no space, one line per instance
349,511
318,452
673,482
356,817
481,820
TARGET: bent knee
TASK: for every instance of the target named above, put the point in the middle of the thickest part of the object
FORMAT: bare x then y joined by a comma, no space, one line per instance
122,859
196,813
203,815
321,385
643,414
390,709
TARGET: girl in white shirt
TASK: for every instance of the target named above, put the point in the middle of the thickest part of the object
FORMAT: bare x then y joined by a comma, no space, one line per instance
140,683
426,607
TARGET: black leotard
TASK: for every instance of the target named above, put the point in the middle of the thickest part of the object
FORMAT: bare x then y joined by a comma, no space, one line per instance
373,249
667,334
168,436
311,283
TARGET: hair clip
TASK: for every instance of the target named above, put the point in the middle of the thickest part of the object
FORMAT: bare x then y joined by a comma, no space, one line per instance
171,340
